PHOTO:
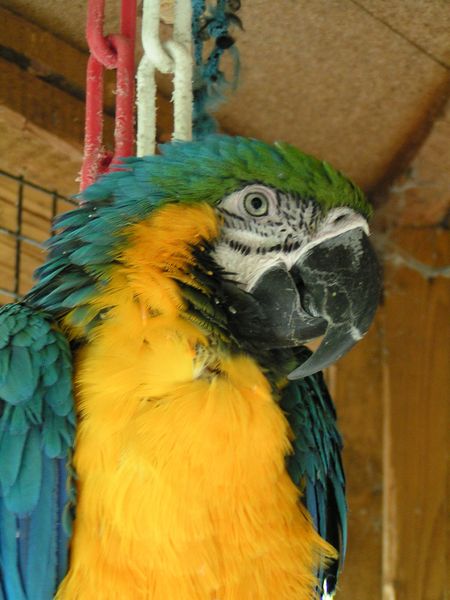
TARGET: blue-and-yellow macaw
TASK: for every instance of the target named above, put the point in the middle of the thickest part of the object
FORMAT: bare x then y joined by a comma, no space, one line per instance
154,382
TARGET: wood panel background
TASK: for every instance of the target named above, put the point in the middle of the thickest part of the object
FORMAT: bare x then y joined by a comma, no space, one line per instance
391,391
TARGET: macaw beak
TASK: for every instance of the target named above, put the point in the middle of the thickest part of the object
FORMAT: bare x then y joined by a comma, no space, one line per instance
333,289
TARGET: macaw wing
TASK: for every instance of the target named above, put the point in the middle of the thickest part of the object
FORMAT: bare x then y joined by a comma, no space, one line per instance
36,437
315,465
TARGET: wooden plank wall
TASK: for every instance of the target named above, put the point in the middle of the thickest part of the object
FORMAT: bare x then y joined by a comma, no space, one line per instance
391,390
392,393
416,382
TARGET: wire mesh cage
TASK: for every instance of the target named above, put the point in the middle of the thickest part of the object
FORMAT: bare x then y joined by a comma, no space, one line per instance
26,214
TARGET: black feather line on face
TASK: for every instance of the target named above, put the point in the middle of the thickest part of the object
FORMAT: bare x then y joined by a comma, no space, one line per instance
239,247
230,317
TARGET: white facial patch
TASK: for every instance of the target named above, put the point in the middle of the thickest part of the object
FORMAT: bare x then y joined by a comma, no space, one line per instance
263,227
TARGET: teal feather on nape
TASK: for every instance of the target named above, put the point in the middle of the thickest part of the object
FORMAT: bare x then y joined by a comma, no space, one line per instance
36,438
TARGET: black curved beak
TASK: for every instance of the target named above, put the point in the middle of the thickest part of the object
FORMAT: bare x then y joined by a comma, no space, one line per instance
333,289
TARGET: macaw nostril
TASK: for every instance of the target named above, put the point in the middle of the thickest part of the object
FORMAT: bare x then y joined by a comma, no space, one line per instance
305,297
299,283
296,276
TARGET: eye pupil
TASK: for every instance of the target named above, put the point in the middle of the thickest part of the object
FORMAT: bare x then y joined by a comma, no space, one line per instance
256,202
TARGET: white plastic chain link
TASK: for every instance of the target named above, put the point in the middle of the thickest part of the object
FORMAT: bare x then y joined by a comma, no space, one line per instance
173,56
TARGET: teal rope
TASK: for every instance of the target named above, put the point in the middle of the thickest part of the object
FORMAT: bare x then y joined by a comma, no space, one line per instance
210,83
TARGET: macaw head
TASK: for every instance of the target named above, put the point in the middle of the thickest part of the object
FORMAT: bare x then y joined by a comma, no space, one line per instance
310,267
293,236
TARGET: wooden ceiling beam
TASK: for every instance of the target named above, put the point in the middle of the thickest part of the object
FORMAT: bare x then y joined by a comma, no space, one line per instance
43,104
41,53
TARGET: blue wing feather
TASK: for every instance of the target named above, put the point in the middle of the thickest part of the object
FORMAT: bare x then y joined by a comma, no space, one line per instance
10,576
315,464
44,524
21,497
36,438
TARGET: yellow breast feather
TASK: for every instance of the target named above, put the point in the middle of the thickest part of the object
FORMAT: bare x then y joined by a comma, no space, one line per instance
180,454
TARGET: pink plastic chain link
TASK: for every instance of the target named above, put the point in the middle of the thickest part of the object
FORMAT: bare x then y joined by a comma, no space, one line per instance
115,51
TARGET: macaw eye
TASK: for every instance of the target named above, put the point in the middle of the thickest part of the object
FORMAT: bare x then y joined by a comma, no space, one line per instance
256,204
